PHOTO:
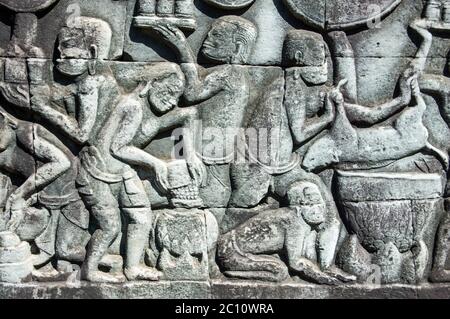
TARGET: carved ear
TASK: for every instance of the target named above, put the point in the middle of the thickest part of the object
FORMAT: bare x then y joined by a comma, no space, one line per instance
143,88
298,56
93,50
239,53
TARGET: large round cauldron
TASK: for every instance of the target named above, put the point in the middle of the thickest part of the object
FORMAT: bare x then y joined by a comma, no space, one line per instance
340,14
382,208
27,5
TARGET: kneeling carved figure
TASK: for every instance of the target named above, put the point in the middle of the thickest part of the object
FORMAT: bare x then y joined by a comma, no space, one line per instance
304,233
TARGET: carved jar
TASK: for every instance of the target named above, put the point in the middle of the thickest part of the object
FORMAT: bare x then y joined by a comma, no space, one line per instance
15,259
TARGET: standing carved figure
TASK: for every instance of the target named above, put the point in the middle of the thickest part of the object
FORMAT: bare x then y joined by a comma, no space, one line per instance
225,89
27,143
82,46
110,185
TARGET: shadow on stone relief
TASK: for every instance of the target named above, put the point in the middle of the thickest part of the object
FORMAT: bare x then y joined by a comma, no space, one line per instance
259,151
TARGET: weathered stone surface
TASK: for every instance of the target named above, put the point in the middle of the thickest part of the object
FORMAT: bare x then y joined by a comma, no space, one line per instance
132,290
219,290
147,142
230,4
252,290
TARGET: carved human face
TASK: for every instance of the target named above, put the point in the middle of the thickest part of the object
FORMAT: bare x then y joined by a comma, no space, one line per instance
308,53
315,75
165,93
307,198
74,56
219,45
314,215
312,207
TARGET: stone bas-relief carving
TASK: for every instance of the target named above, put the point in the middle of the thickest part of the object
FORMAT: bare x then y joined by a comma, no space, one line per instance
207,168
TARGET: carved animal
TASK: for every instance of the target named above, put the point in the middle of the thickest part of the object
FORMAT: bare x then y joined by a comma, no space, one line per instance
346,143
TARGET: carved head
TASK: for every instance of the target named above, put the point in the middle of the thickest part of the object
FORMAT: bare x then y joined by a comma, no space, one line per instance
306,196
306,50
230,40
321,154
7,134
164,91
81,43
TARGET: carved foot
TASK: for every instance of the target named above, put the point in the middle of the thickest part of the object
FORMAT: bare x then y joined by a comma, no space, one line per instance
258,275
113,262
440,276
103,277
341,275
311,272
48,273
142,273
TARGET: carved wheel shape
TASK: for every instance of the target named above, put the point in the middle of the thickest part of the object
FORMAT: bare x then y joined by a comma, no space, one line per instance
340,14
27,5
230,4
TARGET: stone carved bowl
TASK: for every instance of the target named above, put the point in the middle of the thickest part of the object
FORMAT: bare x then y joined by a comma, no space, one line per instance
389,207
340,14
27,5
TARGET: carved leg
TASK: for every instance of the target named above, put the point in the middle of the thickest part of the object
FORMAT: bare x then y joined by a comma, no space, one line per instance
71,242
46,241
326,251
137,238
248,266
108,221
72,234
212,235
420,260
250,185
258,267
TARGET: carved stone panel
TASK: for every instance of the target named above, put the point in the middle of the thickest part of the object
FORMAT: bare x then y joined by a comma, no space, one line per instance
213,148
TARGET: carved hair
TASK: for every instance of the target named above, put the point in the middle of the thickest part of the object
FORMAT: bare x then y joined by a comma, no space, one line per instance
97,32
160,72
309,44
246,33
297,192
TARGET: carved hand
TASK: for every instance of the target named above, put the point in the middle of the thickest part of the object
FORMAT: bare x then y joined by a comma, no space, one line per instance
312,272
177,39
197,169
415,87
330,110
405,84
15,206
161,173
336,94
